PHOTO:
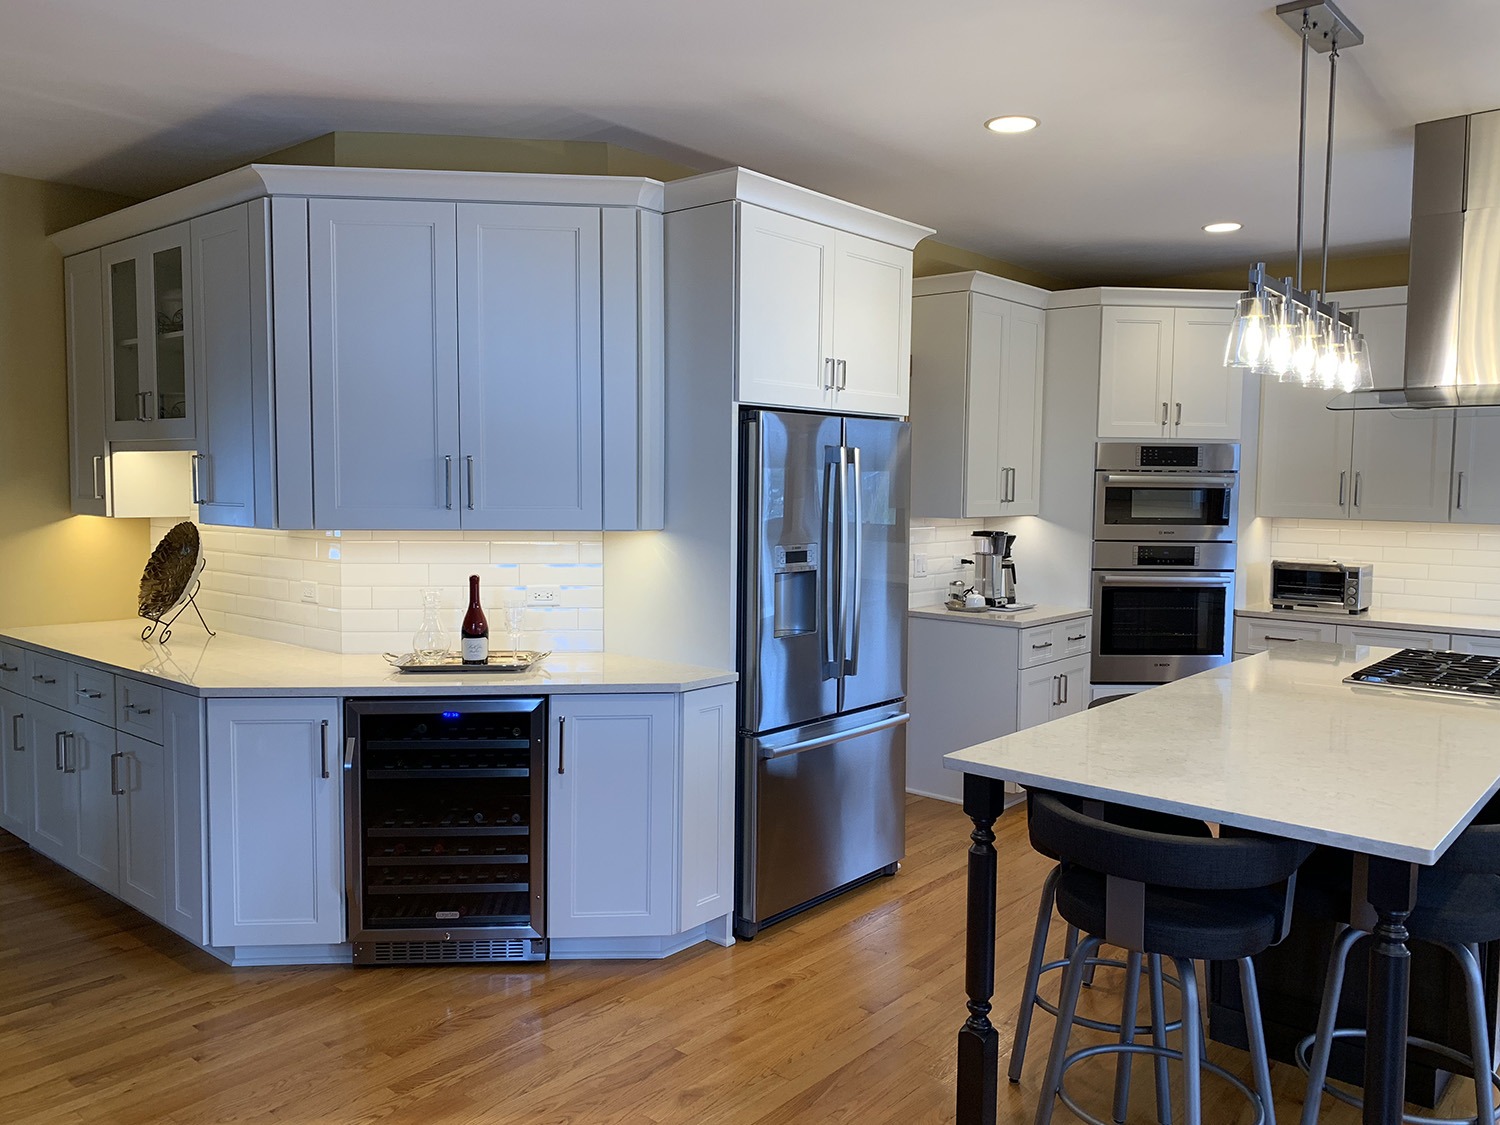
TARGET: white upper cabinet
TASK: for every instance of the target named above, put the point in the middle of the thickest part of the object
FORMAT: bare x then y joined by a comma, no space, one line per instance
824,316
1476,468
148,337
1162,375
530,362
384,305
1304,453
1401,465
976,403
88,454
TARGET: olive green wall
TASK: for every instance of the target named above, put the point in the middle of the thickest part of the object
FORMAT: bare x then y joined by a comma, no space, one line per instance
1368,271
57,567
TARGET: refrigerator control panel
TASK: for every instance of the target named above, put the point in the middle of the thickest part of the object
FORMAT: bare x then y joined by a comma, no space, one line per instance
795,557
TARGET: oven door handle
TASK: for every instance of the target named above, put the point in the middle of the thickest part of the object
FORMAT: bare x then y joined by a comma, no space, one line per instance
1166,578
1169,480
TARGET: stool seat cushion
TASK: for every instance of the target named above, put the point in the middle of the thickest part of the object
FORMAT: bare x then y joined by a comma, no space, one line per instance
1203,925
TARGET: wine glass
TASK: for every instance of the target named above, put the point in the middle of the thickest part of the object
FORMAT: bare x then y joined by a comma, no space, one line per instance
513,615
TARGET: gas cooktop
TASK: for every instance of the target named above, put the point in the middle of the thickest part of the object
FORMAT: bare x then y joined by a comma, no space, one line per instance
1416,669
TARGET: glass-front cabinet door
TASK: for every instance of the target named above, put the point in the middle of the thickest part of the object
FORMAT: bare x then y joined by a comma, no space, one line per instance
148,347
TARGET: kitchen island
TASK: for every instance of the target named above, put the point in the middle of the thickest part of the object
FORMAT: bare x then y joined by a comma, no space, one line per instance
1277,743
206,783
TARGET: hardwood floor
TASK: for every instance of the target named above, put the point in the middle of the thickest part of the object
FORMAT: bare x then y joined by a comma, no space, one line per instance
848,1013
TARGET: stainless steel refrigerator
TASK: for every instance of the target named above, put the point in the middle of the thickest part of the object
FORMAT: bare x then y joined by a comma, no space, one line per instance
823,592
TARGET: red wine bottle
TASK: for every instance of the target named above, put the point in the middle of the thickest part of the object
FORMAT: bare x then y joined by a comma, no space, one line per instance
476,630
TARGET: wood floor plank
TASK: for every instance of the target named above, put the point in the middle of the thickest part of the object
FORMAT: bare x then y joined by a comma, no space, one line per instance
847,1013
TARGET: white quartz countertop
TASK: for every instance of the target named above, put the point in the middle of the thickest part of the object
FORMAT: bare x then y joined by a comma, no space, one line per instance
1468,624
1010,619
1275,742
230,665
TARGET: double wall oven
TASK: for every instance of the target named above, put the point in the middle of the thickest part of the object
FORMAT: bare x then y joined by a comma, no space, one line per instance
1163,566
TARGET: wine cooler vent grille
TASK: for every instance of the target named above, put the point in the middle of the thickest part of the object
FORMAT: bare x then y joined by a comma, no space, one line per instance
453,952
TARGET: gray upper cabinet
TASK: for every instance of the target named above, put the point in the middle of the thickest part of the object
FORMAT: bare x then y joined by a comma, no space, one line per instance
378,349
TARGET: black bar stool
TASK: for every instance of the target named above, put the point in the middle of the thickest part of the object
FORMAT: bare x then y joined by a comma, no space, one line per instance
1152,893
1458,910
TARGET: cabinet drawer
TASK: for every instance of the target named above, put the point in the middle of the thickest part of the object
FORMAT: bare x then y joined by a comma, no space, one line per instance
1075,636
47,679
1392,638
91,693
1042,643
12,668
1488,646
138,709
1252,634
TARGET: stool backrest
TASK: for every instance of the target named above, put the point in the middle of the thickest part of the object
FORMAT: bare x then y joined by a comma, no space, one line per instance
1061,827
1475,852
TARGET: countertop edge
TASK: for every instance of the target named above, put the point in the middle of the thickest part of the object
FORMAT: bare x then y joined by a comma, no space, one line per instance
1025,619
1429,621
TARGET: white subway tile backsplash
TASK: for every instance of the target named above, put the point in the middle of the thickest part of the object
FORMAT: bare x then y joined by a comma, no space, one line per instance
1446,567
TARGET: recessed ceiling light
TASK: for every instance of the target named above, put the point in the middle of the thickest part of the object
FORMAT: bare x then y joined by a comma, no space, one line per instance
1221,228
1010,123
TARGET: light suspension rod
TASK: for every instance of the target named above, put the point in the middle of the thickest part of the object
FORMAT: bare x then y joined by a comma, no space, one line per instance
1302,145
1333,81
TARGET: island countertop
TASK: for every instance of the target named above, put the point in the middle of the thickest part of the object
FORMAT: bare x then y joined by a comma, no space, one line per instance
1279,743
232,665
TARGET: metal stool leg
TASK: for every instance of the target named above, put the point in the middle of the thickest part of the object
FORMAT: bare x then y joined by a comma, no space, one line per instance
1479,1034
1257,1035
1067,1006
1159,1040
1333,986
1192,1042
1033,973
1127,1033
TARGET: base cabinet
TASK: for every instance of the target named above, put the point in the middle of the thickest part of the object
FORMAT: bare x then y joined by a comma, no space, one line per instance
73,811
275,815
17,766
1051,691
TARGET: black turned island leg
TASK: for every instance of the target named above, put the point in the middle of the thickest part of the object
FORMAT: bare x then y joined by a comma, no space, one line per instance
1392,892
978,1042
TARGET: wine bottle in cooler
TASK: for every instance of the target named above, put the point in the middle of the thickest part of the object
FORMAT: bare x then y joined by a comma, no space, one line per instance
476,629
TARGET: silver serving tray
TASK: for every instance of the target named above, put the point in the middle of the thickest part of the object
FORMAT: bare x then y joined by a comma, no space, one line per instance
447,665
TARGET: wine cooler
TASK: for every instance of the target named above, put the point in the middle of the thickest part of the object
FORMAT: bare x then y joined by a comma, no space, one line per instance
446,814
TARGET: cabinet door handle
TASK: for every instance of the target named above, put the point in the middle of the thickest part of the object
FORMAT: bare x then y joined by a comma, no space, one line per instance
561,719
323,747
146,397
1179,415
1044,644
448,482
1056,690
1064,679
197,476
15,733
1459,499
68,744
829,370
843,369
140,406
470,460
1163,414
1344,476
114,775
57,744
48,680
1357,475
98,477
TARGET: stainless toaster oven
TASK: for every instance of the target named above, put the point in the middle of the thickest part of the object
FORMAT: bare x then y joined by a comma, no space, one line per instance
1331,584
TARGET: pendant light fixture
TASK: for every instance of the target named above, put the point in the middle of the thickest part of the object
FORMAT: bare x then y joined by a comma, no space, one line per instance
1279,327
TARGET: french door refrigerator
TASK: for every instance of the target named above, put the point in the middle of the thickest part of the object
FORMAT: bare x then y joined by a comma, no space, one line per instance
823,598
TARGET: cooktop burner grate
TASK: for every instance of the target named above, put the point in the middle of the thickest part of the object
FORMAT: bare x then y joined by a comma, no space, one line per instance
1455,673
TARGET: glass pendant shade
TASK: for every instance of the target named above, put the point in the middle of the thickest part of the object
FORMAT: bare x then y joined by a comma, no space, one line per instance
1305,351
1278,361
1330,352
1249,334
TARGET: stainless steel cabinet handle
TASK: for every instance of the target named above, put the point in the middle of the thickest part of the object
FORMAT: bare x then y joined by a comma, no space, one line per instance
448,482
1080,636
1458,501
829,369
1056,690
323,749
114,775
1268,637
68,737
1344,476
1010,484
84,693
15,733
349,753
843,369
98,477
1357,475
561,719
57,742
470,460
1163,414
140,406
1179,415
1064,679
136,709
146,397
48,680
1044,644
197,478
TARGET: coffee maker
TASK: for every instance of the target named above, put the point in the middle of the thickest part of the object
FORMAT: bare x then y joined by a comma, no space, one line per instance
994,569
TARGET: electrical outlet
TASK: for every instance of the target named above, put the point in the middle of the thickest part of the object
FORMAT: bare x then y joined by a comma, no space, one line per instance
310,592
919,566
543,595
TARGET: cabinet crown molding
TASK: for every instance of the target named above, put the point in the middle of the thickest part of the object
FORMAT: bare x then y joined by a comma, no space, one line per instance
257,180
745,186
972,281
1145,298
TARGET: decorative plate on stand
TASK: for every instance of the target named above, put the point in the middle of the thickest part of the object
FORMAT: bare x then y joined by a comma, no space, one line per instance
171,579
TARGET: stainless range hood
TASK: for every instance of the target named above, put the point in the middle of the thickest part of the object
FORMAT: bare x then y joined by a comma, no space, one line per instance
1453,296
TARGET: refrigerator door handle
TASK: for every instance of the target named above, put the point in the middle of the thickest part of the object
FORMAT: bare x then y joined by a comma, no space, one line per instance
855,530
834,497
767,753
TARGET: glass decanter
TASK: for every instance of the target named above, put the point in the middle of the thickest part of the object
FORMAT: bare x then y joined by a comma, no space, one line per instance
429,644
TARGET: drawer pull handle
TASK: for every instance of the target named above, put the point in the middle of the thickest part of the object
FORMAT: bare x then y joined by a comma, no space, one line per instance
85,693
1269,637
9,668
1080,637
136,709
1044,644
48,680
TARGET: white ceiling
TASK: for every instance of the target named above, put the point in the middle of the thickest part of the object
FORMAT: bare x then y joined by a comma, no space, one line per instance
1157,117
